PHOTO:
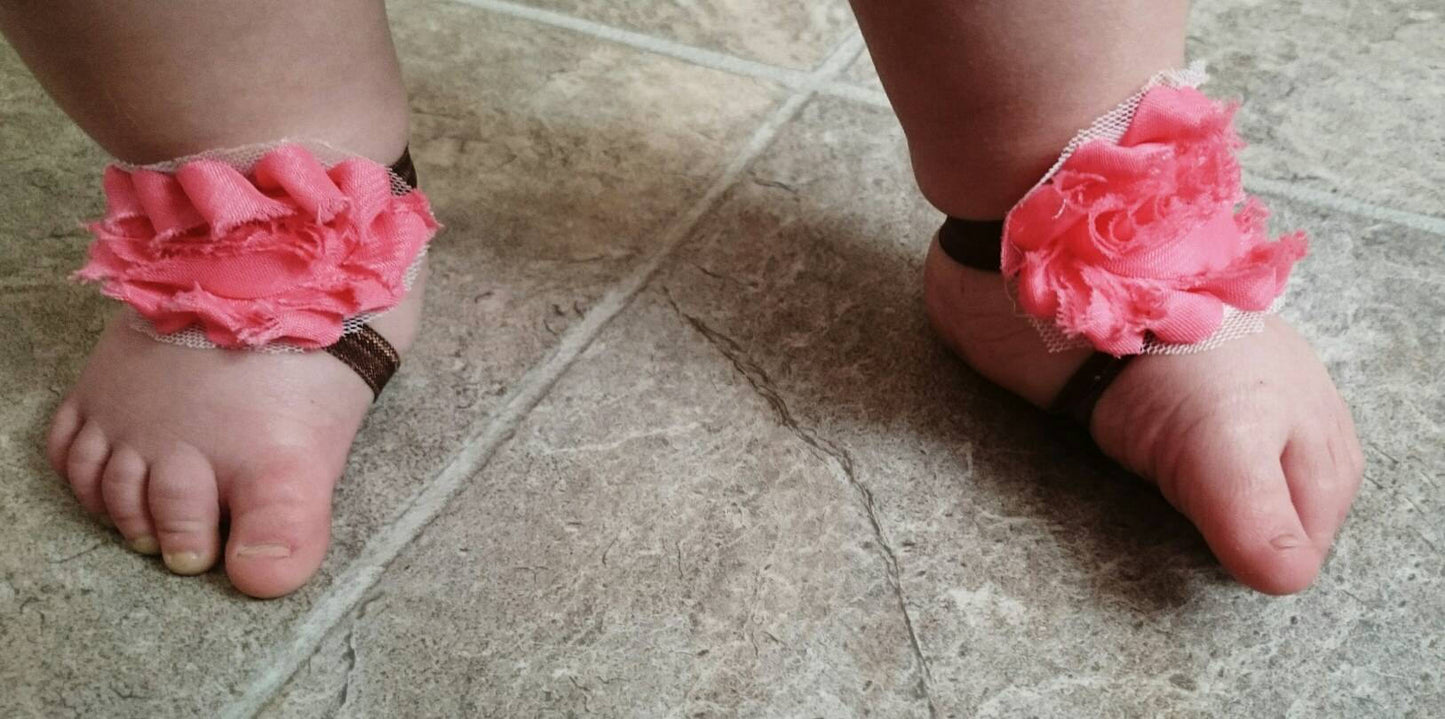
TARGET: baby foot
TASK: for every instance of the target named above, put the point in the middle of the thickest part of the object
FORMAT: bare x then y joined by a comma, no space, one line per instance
165,441
1249,440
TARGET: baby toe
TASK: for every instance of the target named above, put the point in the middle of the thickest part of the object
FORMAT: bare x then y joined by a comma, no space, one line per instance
123,487
83,464
182,498
63,427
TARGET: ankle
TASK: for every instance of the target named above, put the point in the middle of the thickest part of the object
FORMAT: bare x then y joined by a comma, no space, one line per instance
973,187
377,128
376,134
972,312
371,120
401,324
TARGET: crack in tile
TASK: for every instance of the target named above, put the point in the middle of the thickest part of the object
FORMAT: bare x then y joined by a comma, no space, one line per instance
762,385
350,657
79,554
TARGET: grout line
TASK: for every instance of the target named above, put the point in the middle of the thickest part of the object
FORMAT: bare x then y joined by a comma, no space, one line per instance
487,434
795,79
787,77
856,93
1343,203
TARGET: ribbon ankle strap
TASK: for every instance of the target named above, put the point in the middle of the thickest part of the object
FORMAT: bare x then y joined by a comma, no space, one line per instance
1083,390
1139,240
404,168
222,249
369,354
972,243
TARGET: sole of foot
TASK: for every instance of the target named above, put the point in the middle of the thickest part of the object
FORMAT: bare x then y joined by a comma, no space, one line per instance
1249,440
165,443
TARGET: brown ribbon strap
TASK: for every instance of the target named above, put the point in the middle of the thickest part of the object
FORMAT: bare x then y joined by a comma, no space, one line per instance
979,244
369,354
1082,392
404,168
365,351
973,243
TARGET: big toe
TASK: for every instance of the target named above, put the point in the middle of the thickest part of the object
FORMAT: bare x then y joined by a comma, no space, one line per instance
280,526
1323,474
1241,502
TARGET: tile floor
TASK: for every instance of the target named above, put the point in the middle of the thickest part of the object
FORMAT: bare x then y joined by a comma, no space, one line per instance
678,443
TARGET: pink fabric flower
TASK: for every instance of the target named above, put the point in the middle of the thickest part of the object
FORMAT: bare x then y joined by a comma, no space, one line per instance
282,255
1151,235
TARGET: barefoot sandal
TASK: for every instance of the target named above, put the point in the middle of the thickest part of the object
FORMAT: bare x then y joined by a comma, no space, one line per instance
1139,240
281,247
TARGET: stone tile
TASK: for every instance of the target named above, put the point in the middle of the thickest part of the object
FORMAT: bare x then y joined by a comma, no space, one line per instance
687,525
792,35
1338,96
863,73
1010,534
554,160
658,540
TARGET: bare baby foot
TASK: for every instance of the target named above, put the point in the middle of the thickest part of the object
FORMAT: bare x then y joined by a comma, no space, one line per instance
165,441
1250,440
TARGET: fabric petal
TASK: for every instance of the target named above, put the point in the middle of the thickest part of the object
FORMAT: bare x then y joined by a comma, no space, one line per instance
1152,234
225,198
1188,317
294,170
165,203
284,256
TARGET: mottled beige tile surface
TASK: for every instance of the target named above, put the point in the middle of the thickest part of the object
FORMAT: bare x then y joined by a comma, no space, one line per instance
792,35
658,540
553,159
1343,97
766,490
862,72
1041,580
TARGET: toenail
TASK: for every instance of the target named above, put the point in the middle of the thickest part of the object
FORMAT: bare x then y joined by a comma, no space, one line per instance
185,563
268,551
1287,541
145,545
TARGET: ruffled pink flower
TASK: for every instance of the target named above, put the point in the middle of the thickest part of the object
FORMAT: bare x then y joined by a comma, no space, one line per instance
1152,235
285,254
